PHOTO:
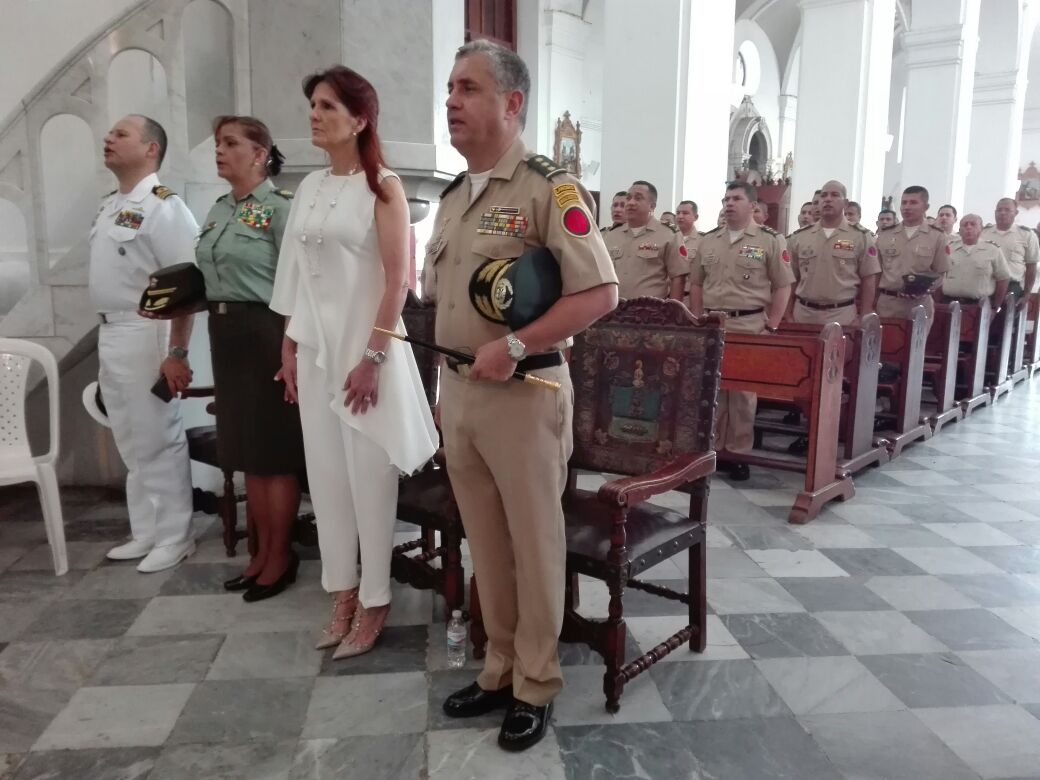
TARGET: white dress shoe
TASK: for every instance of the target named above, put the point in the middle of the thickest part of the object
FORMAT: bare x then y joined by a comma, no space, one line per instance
165,557
131,551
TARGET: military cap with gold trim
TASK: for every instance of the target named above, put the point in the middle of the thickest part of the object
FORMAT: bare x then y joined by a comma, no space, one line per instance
516,291
174,291
918,284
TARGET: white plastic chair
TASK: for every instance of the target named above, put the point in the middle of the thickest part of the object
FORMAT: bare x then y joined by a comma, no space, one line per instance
17,463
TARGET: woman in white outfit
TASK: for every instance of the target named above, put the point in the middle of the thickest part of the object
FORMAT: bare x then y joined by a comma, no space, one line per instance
343,269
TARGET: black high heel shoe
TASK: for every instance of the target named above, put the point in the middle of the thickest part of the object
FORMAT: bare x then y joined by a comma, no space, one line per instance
241,582
259,592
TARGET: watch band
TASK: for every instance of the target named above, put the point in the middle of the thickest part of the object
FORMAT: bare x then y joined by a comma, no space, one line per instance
178,352
376,356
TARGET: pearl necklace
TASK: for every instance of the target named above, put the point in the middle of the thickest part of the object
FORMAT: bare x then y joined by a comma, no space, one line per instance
318,238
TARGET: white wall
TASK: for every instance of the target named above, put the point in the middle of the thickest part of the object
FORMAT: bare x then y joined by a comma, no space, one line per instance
36,35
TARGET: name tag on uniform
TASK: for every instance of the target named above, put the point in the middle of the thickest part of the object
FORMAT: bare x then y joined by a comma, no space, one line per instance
844,245
756,253
503,221
255,215
130,218
647,248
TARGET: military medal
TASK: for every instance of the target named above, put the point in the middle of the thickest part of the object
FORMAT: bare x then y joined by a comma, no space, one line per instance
503,221
255,215
753,253
130,218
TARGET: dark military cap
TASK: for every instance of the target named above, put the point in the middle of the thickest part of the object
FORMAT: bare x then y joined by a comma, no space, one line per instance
174,291
516,291
918,284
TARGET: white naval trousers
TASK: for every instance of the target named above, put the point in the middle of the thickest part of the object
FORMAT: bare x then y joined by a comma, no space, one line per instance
353,488
149,434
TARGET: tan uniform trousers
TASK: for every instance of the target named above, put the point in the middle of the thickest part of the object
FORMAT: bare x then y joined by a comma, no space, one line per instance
507,446
889,306
846,315
735,419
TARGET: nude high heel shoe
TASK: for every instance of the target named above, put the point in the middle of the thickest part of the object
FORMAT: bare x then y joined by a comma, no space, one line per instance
365,630
344,606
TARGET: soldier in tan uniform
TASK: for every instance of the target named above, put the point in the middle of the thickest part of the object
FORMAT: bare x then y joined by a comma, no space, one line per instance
836,265
686,221
886,218
617,211
507,443
816,206
946,219
913,246
805,215
744,270
853,213
978,269
649,257
1020,246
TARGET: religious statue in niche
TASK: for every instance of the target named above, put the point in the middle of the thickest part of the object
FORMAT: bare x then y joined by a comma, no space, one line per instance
1029,189
567,148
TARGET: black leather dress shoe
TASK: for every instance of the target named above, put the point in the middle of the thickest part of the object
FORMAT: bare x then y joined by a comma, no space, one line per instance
241,582
525,725
740,473
799,446
258,591
474,700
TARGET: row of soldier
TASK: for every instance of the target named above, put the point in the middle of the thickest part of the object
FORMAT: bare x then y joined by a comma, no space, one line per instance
831,269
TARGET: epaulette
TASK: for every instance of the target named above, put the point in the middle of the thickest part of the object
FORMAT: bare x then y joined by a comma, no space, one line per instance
768,230
110,194
615,227
713,230
673,228
454,183
1023,227
987,225
543,165
860,228
994,243
700,233
799,230
890,227
287,194
162,192
936,227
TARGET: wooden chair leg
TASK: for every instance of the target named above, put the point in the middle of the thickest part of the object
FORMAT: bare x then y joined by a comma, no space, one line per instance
229,515
699,596
614,646
477,635
454,581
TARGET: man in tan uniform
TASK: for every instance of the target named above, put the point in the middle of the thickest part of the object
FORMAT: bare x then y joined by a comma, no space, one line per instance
649,257
853,212
978,269
742,269
1020,246
910,247
617,211
836,265
816,214
507,443
886,218
946,218
686,221
805,215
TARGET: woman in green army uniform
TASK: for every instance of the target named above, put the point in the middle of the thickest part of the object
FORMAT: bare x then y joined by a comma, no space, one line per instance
258,423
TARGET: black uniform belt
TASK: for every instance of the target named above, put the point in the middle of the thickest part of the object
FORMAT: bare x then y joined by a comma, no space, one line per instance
824,306
738,312
897,293
227,307
532,363
964,300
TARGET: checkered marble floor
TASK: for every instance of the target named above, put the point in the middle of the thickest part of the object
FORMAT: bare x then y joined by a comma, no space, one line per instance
896,636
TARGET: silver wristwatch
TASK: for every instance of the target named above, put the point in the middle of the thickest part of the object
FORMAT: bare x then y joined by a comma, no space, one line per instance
178,352
517,349
376,356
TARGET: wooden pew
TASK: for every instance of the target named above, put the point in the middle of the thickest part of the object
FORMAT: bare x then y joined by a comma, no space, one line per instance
805,371
998,356
859,447
1017,370
942,350
1032,356
902,344
971,390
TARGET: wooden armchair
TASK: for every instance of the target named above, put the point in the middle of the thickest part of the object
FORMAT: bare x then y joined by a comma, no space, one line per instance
646,381
426,499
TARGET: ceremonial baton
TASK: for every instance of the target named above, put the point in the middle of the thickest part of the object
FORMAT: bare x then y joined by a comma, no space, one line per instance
462,357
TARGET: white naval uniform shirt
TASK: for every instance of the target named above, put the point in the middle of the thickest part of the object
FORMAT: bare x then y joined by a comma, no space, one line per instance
133,235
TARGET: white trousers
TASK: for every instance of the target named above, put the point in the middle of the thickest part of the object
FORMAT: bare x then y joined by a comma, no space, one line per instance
353,490
149,434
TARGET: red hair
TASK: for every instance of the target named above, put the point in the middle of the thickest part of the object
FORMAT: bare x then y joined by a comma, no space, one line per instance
359,96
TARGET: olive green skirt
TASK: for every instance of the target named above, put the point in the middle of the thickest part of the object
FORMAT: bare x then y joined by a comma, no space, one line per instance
258,432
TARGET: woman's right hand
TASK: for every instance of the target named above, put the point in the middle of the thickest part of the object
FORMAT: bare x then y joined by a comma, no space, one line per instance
287,373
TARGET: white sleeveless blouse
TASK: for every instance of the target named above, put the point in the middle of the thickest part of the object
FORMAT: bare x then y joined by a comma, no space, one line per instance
331,291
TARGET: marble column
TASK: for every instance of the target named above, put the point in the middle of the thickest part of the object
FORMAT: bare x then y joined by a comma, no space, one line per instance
941,48
643,87
843,88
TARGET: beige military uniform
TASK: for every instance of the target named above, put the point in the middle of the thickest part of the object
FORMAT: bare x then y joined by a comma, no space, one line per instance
739,277
975,270
1020,248
647,260
928,251
507,444
829,271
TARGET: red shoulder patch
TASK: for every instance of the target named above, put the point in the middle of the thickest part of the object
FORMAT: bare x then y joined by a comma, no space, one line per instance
785,257
947,249
682,251
576,222
872,250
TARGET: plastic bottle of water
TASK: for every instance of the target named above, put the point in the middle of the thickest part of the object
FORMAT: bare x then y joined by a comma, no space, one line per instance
456,641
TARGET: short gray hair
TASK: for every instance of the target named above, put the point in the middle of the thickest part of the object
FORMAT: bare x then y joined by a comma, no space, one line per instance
509,70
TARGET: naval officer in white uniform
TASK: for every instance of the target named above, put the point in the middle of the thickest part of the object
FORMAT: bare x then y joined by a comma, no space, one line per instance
140,228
